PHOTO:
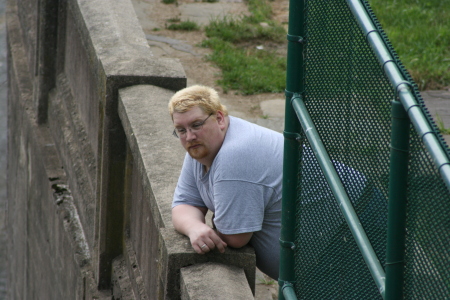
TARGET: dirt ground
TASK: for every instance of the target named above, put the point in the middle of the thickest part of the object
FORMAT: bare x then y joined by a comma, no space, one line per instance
155,16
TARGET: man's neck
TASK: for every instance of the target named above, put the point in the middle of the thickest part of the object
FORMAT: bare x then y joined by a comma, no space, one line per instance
207,165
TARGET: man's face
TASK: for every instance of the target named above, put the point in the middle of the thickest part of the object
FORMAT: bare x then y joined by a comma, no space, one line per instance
202,144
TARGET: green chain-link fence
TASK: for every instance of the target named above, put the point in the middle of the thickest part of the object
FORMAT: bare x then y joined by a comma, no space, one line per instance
392,169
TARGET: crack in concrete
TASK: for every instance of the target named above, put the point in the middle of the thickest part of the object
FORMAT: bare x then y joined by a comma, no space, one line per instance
175,44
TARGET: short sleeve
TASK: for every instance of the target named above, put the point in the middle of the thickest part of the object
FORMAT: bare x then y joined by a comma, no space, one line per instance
239,206
186,191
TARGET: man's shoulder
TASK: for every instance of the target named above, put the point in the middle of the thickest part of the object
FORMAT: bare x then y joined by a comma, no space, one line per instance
252,145
246,138
241,129
245,123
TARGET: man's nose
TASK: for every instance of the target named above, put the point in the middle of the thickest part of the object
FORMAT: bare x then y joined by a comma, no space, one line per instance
190,135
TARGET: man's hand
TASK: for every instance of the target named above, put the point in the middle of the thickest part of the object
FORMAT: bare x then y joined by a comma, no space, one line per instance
204,239
190,221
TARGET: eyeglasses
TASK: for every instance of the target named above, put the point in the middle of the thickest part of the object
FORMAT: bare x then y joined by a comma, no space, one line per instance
196,126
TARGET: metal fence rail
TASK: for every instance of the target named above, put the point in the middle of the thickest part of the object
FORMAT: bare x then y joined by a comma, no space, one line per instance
357,217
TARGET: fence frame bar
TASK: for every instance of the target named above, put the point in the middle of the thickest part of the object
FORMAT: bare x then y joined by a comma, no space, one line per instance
336,186
294,84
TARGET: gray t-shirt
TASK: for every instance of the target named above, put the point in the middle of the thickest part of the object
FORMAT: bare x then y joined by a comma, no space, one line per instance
243,188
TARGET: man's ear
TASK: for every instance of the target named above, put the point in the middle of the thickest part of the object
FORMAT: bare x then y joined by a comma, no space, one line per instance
220,117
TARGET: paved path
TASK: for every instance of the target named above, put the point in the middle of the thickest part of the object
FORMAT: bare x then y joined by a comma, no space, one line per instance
437,102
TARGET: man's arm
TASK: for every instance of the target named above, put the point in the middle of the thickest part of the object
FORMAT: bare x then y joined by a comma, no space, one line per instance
236,240
190,221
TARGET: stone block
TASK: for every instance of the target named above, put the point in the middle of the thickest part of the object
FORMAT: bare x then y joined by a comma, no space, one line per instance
214,281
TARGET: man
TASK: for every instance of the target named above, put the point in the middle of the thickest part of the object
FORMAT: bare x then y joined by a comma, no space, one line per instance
233,168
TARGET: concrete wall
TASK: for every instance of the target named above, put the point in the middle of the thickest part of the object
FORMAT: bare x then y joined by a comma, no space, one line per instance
91,162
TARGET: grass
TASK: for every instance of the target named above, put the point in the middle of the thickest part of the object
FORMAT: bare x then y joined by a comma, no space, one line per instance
234,40
419,30
238,30
185,25
250,71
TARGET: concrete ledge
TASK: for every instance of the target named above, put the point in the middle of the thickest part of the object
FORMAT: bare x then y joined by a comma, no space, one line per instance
176,253
116,43
147,125
213,281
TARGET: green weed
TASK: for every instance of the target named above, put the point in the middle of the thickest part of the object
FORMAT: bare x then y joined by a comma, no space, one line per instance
174,20
265,281
237,30
441,126
185,25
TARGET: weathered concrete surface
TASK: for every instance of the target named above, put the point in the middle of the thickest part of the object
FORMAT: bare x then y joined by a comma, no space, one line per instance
114,53
119,42
67,161
122,287
214,281
204,13
164,42
147,125
438,104
3,154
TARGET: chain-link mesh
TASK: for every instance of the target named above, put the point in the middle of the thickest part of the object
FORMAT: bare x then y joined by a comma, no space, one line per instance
349,99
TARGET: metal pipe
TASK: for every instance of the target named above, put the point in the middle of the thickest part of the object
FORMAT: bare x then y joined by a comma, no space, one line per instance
398,181
288,292
294,84
340,194
416,115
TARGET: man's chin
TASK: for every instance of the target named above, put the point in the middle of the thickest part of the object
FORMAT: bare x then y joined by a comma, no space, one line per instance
198,153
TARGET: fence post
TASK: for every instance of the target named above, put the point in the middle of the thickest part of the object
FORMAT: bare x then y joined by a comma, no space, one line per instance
294,85
398,180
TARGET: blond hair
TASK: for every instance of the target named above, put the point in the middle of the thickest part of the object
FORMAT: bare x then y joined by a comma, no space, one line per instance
197,95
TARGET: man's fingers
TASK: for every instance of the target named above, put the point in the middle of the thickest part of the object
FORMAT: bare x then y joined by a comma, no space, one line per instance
205,248
205,241
198,249
219,244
